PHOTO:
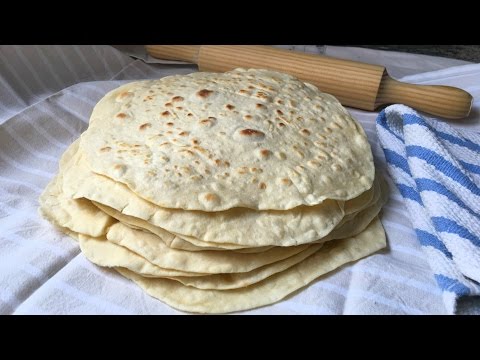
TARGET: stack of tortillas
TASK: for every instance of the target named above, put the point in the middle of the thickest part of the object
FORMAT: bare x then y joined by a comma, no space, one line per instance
220,192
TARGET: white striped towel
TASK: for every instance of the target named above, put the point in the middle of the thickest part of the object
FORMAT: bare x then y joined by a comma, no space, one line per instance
437,170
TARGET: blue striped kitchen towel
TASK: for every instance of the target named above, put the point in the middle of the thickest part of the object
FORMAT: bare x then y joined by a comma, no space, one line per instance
437,170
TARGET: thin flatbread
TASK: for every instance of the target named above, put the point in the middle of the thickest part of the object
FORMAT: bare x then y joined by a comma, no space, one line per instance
252,138
331,256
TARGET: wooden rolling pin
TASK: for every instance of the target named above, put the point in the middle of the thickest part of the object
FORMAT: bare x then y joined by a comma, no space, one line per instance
355,84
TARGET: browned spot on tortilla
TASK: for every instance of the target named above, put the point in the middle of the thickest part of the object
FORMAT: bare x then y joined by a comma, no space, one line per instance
204,93
259,106
179,108
144,126
286,181
121,115
188,152
169,124
210,197
305,132
262,186
224,163
105,149
177,98
168,104
265,152
248,117
124,95
281,124
166,113
189,114
206,122
251,132
230,107
200,149
279,112
183,133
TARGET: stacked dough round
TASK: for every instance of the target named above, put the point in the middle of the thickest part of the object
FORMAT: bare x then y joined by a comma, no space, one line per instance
220,192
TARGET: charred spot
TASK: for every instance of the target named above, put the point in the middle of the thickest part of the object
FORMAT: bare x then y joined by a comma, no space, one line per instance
144,126
166,113
251,132
204,93
230,107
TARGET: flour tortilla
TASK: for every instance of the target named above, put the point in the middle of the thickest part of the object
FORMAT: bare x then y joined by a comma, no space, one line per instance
105,253
78,215
155,251
352,224
331,256
175,241
265,228
215,141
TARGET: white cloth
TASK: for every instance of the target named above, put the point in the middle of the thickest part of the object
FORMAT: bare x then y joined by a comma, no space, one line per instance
46,97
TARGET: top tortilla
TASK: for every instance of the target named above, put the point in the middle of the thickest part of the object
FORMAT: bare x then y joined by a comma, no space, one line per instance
246,138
